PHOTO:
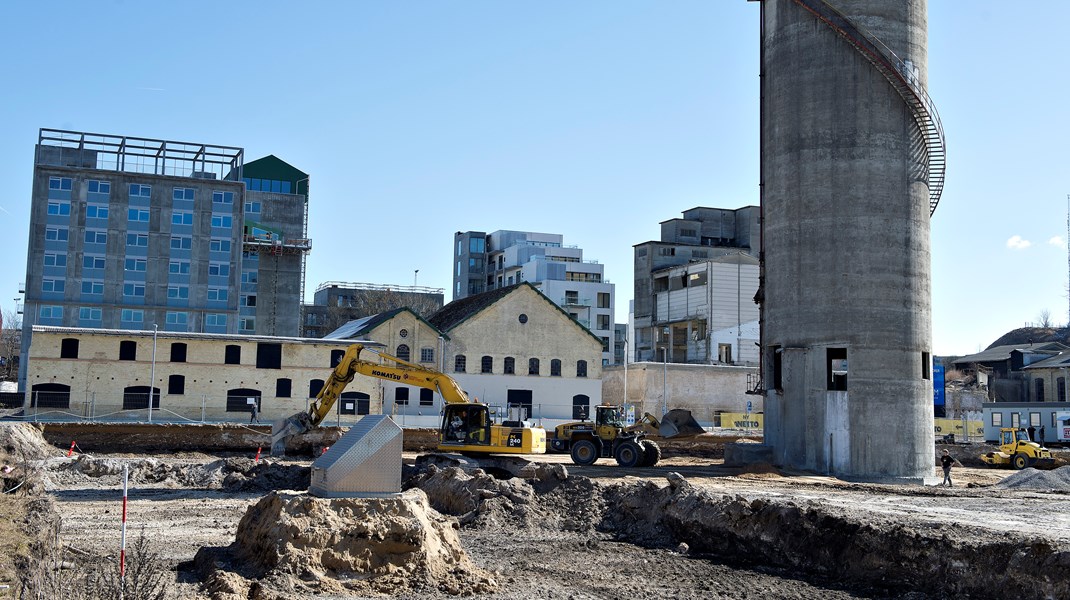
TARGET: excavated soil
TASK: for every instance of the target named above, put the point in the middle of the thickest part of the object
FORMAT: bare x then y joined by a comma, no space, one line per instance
225,530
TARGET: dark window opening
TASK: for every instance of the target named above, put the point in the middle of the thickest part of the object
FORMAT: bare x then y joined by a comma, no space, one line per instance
242,400
268,356
427,397
778,368
403,352
555,368
353,403
282,387
50,395
1039,384
459,363
314,388
486,364
926,365
136,397
176,385
68,348
336,357
521,399
533,366
581,407
127,350
1060,391
836,359
233,355
509,366
581,368
178,352
401,396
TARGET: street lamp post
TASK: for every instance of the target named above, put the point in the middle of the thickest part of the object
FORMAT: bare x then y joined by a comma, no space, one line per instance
414,274
152,377
664,377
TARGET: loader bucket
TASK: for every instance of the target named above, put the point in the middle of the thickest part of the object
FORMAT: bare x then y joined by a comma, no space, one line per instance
678,422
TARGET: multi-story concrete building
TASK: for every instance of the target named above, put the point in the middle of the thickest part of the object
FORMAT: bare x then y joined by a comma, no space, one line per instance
485,262
337,303
702,234
134,233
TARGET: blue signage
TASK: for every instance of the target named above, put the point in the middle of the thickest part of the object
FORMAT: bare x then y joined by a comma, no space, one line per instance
938,385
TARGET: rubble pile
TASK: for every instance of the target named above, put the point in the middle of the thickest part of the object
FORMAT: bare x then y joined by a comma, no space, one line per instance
1057,480
23,442
292,544
230,474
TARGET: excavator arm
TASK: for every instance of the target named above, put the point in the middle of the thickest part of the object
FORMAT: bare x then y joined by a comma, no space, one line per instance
350,364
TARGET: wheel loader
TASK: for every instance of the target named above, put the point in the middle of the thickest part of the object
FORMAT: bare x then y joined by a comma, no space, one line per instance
609,437
1017,451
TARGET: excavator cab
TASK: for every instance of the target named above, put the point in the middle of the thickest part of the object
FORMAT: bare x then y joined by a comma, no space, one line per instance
466,424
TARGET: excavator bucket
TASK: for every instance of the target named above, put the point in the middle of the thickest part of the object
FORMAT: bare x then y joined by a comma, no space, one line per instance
678,422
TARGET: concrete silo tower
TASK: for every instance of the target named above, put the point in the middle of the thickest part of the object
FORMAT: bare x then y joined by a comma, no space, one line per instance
852,168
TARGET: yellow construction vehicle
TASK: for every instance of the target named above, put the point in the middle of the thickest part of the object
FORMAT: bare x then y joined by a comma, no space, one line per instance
609,437
1016,450
467,426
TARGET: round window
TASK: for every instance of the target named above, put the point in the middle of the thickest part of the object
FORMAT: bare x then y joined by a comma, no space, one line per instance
404,333
523,318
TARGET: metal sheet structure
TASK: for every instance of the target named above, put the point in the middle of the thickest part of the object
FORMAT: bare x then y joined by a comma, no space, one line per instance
364,463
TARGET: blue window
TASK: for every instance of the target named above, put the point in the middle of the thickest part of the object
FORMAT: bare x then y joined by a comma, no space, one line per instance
477,245
55,260
248,277
93,236
51,312
217,245
137,239
91,261
215,320
181,217
135,264
223,197
181,242
252,208
58,234
178,267
178,291
217,294
53,285
59,183
96,211
88,313
177,318
138,215
130,315
183,194
99,187
140,190
59,208
247,324
93,287
225,221
135,290
218,269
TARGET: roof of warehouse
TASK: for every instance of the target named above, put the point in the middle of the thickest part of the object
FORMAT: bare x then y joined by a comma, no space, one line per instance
999,353
187,335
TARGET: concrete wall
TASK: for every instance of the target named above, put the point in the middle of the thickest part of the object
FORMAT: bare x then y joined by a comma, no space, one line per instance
846,245
705,390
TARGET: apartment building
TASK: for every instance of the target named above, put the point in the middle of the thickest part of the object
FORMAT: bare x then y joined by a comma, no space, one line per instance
131,233
336,303
484,262
701,235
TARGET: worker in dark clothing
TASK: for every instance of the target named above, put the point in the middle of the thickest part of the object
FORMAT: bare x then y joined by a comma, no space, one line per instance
1032,433
946,461
254,413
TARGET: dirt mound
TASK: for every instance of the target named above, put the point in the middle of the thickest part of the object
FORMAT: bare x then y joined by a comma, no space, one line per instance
759,470
21,442
230,474
296,544
1033,479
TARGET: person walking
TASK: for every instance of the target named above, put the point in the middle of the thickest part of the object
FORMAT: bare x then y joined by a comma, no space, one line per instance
1032,433
946,461
254,413
1041,438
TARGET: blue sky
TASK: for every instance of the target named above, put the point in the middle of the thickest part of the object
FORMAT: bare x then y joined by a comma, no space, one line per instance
596,120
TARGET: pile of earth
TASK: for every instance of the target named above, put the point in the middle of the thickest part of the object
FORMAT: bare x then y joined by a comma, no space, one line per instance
1057,480
229,474
852,549
290,545
23,442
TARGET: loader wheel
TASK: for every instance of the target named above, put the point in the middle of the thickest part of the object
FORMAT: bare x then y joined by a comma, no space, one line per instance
628,454
584,452
1019,461
651,453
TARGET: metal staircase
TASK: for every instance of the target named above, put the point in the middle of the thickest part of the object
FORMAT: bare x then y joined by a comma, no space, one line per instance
905,82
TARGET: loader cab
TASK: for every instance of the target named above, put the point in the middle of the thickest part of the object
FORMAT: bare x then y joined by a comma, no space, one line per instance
608,422
465,424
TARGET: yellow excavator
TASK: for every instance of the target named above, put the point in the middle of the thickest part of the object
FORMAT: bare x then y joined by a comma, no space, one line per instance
467,426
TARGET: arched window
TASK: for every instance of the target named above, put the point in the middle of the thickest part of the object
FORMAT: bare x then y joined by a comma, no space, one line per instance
510,365
127,350
1060,391
176,384
136,397
555,368
581,368
68,348
282,387
486,364
242,400
459,363
314,387
50,395
1040,390
336,357
353,403
178,352
581,407
232,354
403,352
533,366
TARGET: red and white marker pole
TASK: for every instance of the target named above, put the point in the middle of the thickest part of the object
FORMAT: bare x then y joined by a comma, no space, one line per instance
258,449
71,451
122,547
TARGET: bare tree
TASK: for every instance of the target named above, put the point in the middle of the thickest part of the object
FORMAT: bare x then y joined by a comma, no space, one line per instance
1045,318
10,342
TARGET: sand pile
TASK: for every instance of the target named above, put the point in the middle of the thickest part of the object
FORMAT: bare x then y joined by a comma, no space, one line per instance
21,442
290,544
1057,480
